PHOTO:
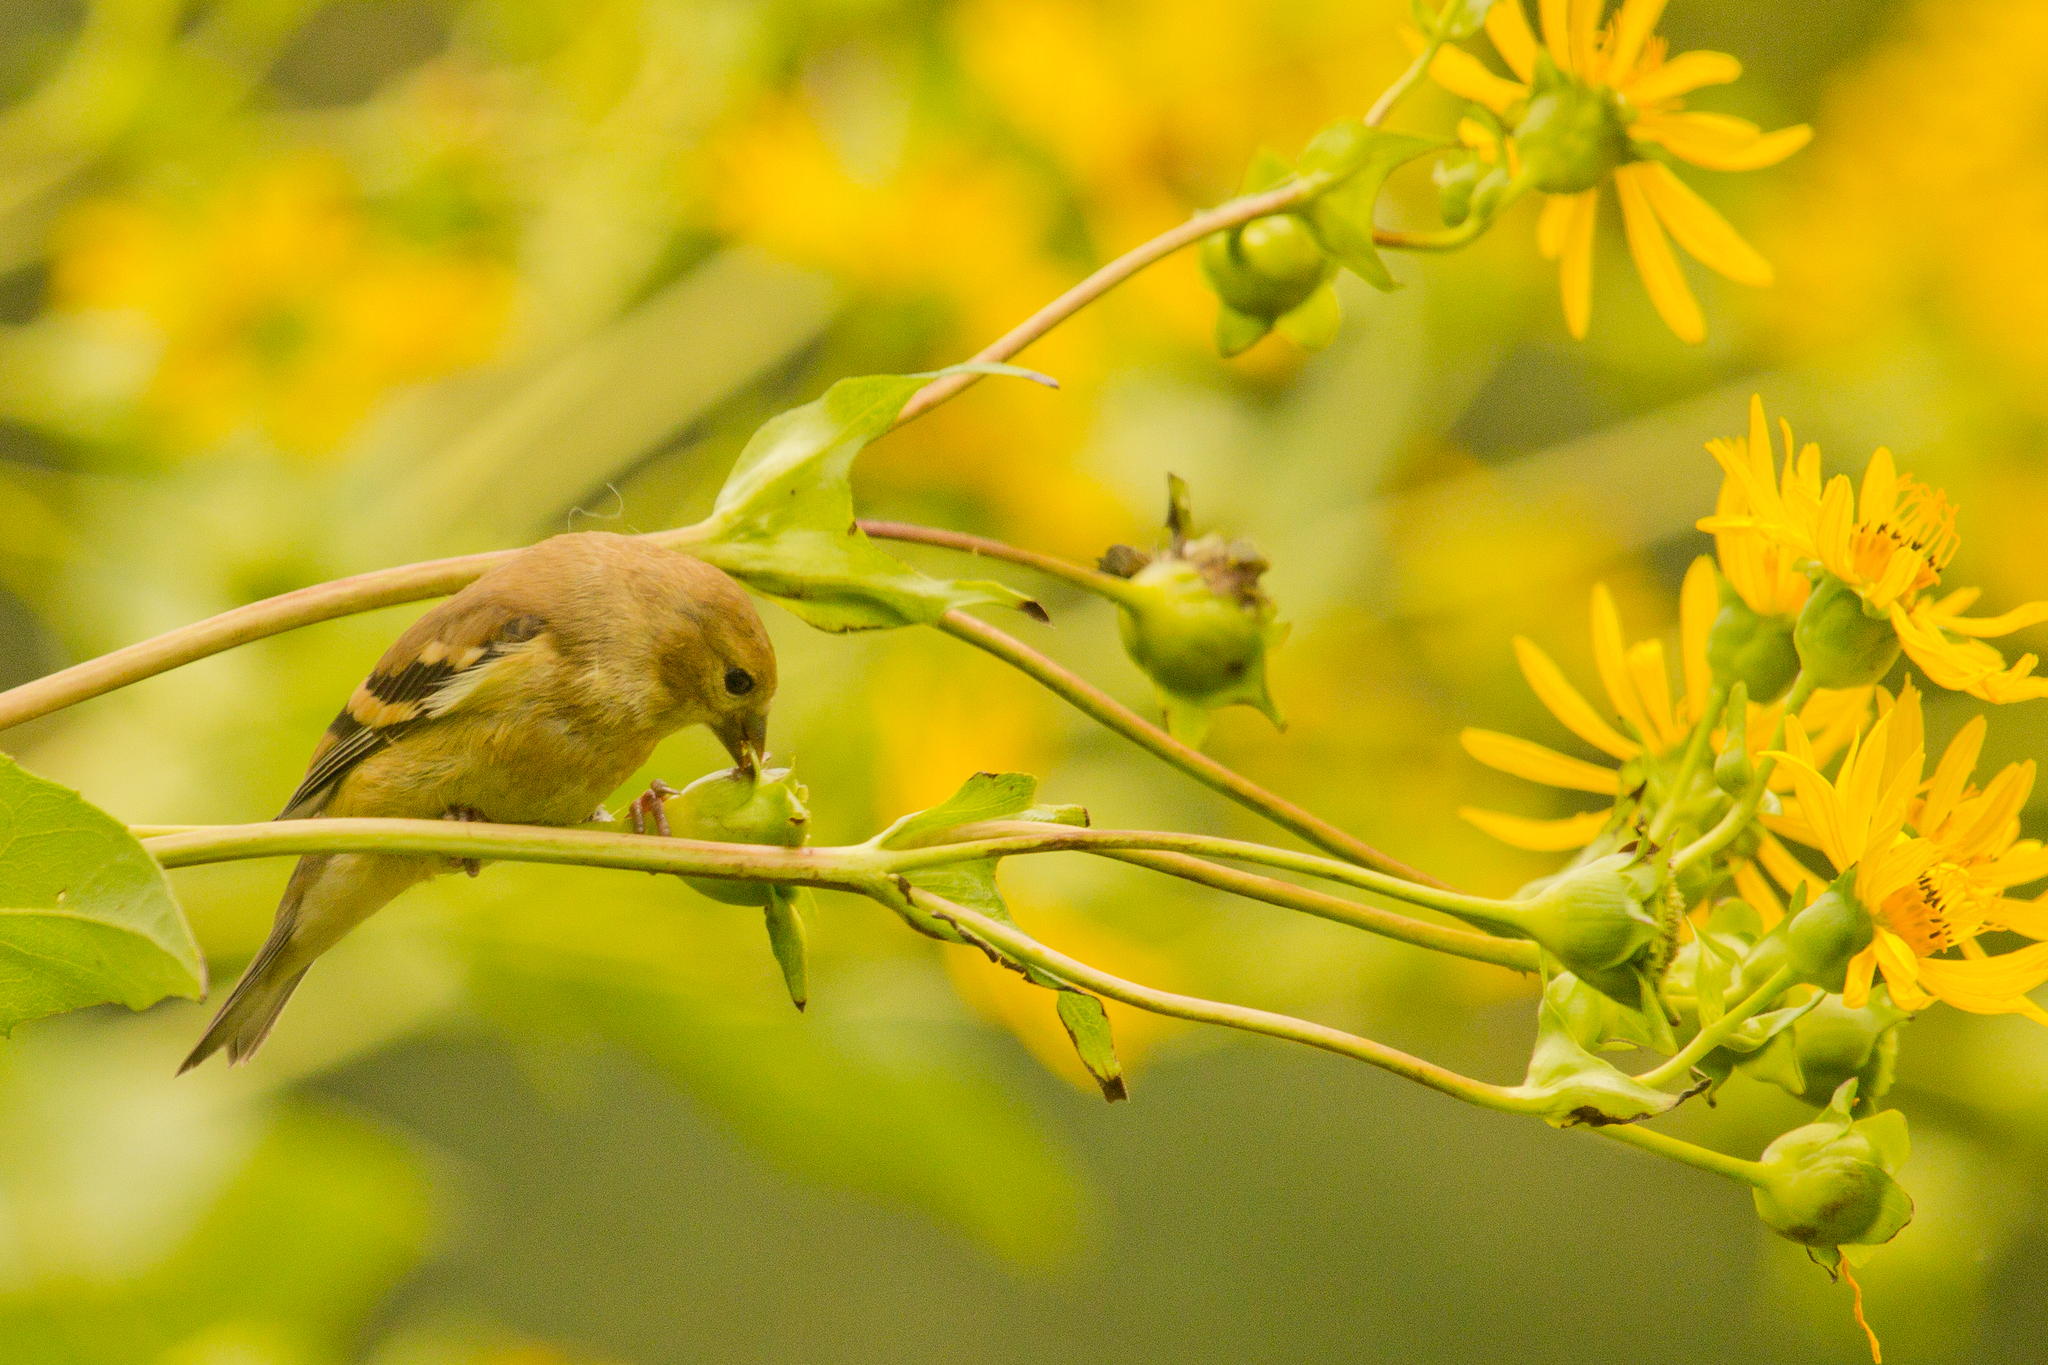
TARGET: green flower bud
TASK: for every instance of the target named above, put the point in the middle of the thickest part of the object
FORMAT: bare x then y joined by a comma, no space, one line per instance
1820,939
1833,1043
1266,268
1456,178
1733,772
1829,1183
1196,621
1747,647
1840,642
740,807
1570,135
1597,916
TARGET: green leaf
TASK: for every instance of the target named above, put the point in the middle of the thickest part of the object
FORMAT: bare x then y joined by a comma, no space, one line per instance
1087,1024
1006,796
1316,323
86,916
1342,216
1238,332
1572,1084
786,939
784,522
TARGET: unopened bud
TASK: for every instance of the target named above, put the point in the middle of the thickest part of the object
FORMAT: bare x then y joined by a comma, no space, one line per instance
1840,642
741,807
1570,135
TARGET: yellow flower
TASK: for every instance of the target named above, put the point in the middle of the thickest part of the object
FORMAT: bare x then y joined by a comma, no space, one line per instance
1764,573
1889,541
277,306
1648,729
1931,865
1599,99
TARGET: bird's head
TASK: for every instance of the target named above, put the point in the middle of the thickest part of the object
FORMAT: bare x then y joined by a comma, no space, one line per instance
719,663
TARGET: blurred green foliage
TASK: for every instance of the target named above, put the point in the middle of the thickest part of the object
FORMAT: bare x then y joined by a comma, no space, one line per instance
291,289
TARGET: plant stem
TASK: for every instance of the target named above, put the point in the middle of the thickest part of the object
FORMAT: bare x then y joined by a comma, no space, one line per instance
1690,1153
1000,838
1688,764
1475,947
1718,1032
1229,214
1403,83
1729,826
846,869
1099,706
1087,579
1011,942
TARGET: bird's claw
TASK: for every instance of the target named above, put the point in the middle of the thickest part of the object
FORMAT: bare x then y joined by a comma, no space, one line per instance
468,815
650,809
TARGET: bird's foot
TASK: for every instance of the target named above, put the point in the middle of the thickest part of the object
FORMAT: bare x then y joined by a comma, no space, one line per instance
649,811
468,815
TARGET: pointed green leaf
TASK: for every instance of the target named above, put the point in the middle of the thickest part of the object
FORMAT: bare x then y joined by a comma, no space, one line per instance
1572,1085
1087,1024
984,796
1342,217
1316,323
784,522
786,939
1265,171
1238,332
86,916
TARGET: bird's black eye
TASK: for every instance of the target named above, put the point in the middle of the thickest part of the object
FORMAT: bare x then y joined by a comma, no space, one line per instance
738,681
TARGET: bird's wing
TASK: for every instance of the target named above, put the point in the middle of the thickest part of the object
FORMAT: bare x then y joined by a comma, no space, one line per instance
433,669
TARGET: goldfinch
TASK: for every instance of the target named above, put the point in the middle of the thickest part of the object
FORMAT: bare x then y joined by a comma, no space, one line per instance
526,698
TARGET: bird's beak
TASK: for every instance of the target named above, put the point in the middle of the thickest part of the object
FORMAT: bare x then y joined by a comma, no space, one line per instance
745,737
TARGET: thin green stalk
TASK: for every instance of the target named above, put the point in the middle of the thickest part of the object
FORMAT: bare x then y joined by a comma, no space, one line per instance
1689,763
1680,1064
846,869
1689,1153
1730,826
1476,947
1403,83
998,839
1089,580
1012,942
1106,710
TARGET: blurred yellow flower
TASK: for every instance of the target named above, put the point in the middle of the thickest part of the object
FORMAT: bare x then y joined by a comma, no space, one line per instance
276,306
1599,100
1889,543
1935,890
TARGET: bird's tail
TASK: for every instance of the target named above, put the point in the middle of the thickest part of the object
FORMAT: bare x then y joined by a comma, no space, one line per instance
245,1020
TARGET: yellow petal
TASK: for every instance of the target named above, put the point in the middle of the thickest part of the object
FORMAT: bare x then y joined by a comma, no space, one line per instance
1463,74
1583,18
1547,681
1751,886
1635,22
1719,142
1862,971
1952,774
1681,75
1653,684
1539,836
1527,759
1990,985
1701,230
1557,27
1610,657
1508,27
1575,269
1553,225
1991,627
1698,603
1654,261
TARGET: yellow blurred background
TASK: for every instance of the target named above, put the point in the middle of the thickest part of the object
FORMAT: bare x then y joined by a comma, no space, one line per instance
292,289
